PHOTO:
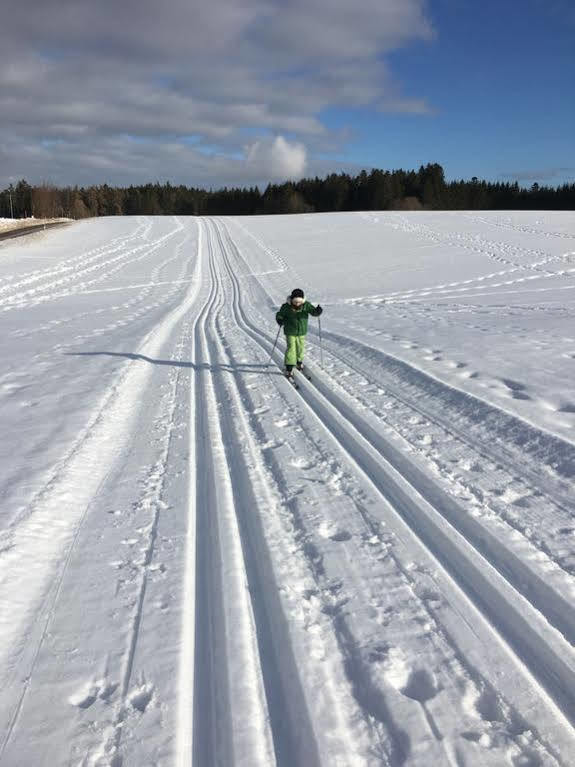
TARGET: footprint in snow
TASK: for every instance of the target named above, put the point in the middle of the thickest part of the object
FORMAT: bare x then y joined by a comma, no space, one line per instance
273,444
90,693
302,463
469,465
86,697
333,532
332,604
421,686
141,697
514,386
488,706
430,595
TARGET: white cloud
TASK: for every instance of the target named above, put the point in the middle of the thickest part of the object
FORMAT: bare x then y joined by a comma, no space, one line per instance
88,73
277,159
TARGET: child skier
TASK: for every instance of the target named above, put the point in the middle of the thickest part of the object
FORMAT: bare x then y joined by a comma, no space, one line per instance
293,317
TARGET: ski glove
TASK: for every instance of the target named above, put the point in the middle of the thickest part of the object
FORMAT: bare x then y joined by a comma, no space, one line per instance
319,310
279,321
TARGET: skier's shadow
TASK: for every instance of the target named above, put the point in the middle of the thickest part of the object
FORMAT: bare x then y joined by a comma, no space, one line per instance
261,367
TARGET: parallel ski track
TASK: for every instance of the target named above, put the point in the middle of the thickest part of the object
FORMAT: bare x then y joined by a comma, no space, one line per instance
541,650
293,731
213,703
278,711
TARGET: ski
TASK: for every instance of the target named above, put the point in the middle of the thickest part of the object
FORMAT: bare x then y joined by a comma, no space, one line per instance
302,371
292,381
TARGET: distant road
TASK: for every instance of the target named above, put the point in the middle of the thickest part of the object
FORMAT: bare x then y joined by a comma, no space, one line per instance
29,230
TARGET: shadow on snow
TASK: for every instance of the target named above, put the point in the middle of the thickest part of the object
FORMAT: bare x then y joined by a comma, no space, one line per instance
261,367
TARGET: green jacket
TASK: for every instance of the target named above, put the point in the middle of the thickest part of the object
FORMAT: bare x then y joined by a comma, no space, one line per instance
294,320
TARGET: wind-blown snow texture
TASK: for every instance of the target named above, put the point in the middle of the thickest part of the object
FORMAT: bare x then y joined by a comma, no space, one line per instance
201,565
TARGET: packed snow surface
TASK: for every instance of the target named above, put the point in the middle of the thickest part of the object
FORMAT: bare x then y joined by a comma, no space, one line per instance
200,564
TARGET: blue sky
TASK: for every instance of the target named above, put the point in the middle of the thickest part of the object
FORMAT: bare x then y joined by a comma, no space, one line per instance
240,92
500,80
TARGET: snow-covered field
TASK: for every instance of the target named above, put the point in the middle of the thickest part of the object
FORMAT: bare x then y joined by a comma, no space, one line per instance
201,565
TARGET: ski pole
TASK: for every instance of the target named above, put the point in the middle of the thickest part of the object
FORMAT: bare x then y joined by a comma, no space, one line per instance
274,346
320,344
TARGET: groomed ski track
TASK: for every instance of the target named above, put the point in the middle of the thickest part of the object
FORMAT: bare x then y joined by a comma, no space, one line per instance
233,572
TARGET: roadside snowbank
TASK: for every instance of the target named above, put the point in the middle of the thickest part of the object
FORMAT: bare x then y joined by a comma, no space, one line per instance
17,223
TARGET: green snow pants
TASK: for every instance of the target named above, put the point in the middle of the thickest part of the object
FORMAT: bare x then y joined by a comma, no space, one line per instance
295,350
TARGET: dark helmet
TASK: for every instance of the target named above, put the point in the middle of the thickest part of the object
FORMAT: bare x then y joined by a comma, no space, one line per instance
297,293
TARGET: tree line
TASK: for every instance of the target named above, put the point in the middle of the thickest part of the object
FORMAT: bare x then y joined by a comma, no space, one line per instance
425,189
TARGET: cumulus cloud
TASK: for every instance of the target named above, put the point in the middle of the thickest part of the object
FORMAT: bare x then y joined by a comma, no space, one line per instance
277,159
91,75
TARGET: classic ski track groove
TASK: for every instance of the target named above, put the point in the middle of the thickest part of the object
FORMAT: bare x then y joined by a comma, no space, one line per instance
184,738
550,660
294,738
232,716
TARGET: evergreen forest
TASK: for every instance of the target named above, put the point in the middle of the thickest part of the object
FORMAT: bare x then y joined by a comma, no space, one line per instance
424,189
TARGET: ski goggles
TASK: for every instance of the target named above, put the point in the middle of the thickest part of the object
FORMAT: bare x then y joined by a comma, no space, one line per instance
298,301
